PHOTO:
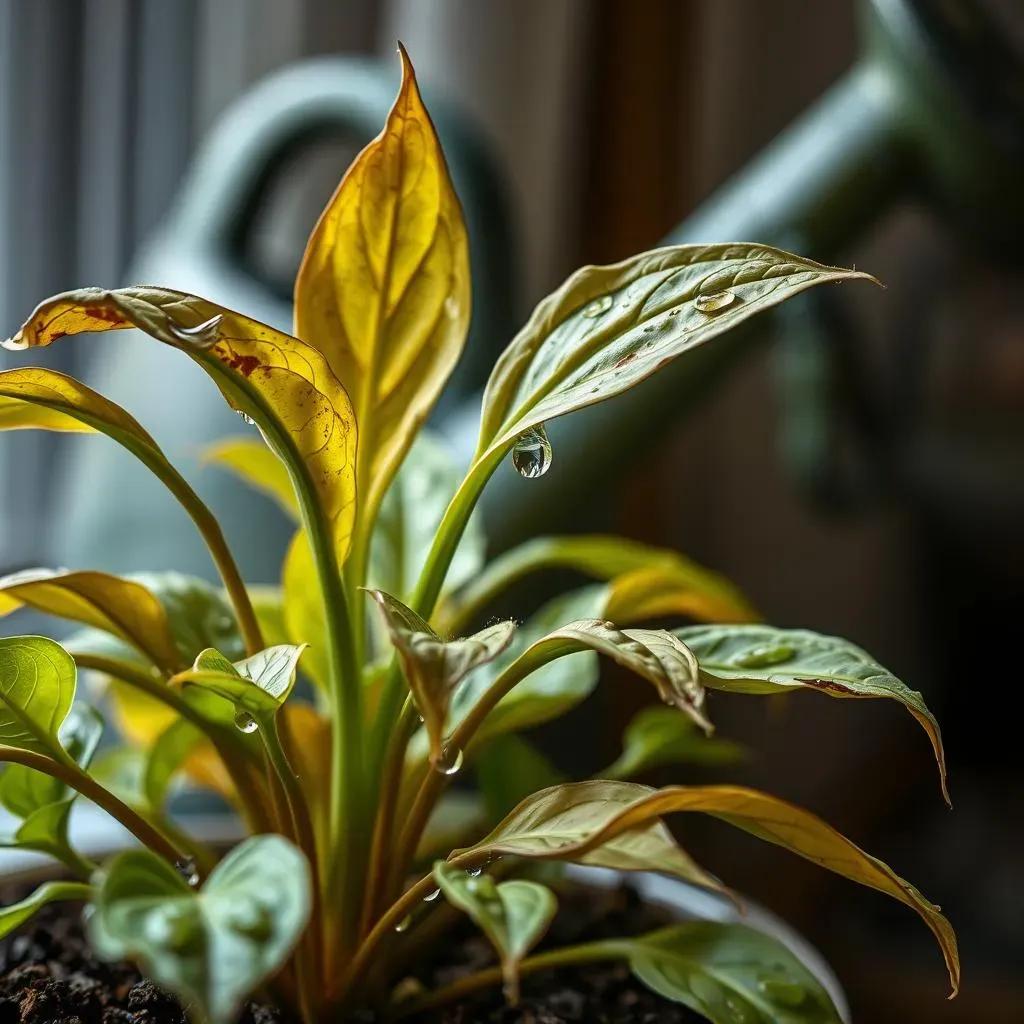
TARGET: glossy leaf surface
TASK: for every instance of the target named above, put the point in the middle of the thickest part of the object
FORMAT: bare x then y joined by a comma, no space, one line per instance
37,686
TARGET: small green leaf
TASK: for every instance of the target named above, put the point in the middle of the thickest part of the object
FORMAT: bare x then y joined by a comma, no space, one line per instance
37,686
513,915
660,736
508,770
433,667
214,946
16,914
252,461
729,973
766,660
607,328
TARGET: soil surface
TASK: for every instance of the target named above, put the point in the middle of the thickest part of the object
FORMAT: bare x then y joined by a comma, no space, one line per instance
49,975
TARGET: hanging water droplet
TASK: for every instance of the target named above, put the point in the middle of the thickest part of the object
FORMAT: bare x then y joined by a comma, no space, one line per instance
597,306
783,990
431,896
245,722
475,872
187,869
449,761
765,655
531,454
246,418
202,336
714,301
16,344
403,925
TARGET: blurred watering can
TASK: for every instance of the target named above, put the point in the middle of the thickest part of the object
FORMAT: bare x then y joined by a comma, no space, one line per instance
933,108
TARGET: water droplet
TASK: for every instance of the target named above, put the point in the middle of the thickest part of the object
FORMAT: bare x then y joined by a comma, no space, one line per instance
403,925
597,306
783,991
532,453
431,896
187,869
246,418
475,872
714,301
16,344
450,761
202,336
245,722
762,657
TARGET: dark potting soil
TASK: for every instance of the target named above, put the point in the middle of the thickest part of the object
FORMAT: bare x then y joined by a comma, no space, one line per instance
48,975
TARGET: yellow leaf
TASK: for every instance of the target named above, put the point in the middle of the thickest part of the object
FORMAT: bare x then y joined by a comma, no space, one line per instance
285,385
384,288
306,736
253,462
140,719
661,591
114,605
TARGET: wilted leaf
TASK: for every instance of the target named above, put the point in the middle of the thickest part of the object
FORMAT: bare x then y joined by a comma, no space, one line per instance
764,816
660,736
607,328
37,686
119,606
383,291
766,660
213,946
730,973
253,462
16,914
513,915
558,824
282,383
434,667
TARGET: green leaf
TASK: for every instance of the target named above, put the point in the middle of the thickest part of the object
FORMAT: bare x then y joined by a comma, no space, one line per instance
384,291
252,461
165,759
607,328
214,946
513,915
660,736
123,607
434,667
766,660
37,686
558,823
409,517
16,914
586,806
508,770
729,973
283,384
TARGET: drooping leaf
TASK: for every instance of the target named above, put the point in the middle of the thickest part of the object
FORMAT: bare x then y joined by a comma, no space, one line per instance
433,667
305,616
766,660
123,607
508,770
514,915
283,384
409,516
384,292
767,817
607,328
37,686
558,823
16,914
660,736
646,582
730,973
215,945
253,462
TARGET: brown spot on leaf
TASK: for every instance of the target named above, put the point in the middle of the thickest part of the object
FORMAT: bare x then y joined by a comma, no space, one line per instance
243,364
627,358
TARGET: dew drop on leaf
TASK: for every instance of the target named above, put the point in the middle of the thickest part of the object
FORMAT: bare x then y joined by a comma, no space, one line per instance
764,656
403,925
597,306
431,896
475,872
202,336
450,761
531,454
187,869
246,418
714,301
245,722
15,344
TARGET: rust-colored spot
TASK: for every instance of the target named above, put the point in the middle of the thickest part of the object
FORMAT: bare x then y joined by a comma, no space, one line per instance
243,364
57,335
627,358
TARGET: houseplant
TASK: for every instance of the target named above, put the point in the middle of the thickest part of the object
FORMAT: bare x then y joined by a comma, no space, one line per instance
349,869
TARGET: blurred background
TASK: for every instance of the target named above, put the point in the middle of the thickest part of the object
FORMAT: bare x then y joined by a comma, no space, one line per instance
856,467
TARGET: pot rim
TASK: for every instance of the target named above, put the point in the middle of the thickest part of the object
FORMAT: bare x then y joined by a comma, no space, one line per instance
97,836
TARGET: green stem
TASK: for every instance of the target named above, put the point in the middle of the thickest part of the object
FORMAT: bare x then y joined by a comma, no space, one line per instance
569,956
75,863
71,775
